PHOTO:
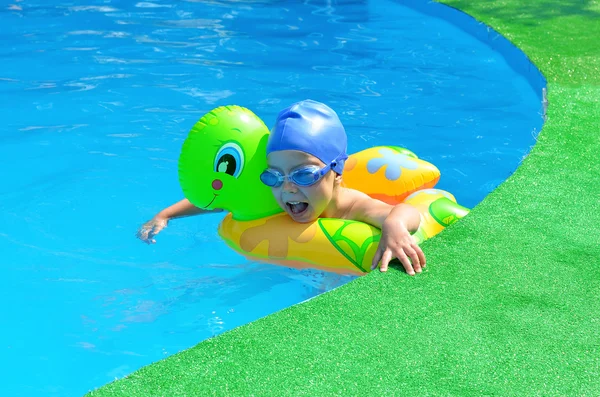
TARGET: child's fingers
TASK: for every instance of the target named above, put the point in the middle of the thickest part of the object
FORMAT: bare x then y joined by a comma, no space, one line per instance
157,228
153,232
405,262
414,257
143,233
385,260
150,233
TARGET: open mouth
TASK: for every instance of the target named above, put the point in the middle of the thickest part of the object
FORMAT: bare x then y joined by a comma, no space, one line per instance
211,201
296,207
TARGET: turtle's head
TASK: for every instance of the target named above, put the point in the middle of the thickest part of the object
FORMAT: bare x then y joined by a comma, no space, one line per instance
221,162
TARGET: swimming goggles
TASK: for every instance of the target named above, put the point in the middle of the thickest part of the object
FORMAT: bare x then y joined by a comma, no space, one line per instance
305,176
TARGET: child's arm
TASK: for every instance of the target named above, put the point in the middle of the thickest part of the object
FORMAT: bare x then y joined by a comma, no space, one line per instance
396,224
180,209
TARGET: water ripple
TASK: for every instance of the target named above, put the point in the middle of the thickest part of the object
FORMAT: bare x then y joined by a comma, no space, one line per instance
152,5
193,23
107,60
93,8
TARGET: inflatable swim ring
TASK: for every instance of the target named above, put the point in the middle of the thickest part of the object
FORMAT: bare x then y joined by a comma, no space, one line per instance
220,165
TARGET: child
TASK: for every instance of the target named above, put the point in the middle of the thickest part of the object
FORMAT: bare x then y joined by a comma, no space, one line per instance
306,152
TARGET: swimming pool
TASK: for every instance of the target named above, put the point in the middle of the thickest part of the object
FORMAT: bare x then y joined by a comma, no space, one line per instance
101,97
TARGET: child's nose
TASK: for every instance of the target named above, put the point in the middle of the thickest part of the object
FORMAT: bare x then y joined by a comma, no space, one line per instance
289,186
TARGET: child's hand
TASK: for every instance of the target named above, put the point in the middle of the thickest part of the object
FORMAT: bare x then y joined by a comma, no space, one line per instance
151,228
396,242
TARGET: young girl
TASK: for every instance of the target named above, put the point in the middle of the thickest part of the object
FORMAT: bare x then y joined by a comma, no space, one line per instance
306,152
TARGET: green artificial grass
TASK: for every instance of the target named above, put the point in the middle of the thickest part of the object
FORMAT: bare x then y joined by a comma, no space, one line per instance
510,301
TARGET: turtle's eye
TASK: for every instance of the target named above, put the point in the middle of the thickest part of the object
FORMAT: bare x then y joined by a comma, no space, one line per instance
230,159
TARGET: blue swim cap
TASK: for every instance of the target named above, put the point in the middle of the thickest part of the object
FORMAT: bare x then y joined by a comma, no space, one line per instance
313,128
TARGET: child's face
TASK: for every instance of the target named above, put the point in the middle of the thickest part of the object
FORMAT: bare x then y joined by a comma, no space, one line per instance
302,203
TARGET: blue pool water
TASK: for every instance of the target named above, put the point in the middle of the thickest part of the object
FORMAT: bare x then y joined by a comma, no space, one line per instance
98,97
